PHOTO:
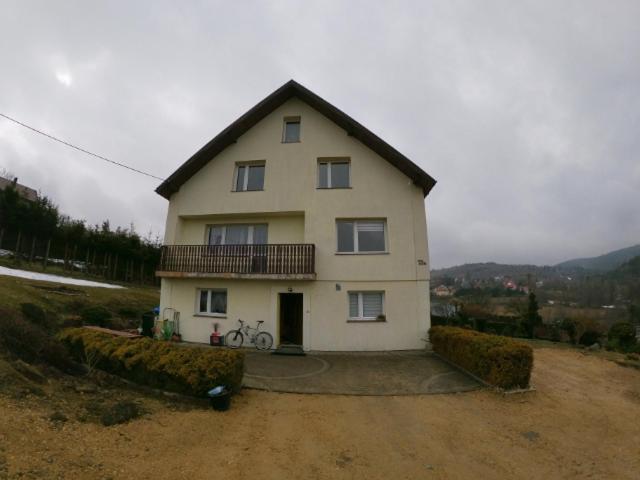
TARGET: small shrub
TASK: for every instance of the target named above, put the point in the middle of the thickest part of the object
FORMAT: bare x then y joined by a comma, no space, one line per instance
500,361
96,315
568,326
75,306
35,313
129,313
589,337
120,412
621,336
164,365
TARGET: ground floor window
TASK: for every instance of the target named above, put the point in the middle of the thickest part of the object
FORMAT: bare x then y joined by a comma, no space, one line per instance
212,301
366,305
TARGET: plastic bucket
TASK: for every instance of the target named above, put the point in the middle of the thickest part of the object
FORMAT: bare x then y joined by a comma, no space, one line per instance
221,402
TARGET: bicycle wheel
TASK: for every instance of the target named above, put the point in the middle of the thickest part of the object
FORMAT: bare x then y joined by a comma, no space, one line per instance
234,339
264,341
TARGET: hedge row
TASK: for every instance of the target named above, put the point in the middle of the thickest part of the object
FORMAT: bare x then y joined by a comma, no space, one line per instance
500,361
187,370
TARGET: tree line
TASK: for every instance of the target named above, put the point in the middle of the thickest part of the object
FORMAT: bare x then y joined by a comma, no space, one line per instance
36,231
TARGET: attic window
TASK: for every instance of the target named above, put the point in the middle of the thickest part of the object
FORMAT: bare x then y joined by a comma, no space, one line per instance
249,177
291,130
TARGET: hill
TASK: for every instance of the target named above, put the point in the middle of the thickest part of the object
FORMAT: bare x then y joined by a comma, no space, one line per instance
491,270
603,263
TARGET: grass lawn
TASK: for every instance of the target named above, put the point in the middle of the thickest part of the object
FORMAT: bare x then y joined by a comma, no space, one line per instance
63,299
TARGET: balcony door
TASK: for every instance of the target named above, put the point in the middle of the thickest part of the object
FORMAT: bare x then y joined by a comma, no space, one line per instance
291,319
239,247
238,234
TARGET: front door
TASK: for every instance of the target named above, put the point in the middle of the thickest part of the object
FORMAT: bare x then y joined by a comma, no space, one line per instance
290,319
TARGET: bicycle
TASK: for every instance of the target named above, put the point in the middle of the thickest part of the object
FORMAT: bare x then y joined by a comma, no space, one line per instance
235,338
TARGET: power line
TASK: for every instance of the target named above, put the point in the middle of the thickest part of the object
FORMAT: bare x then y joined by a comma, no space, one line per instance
79,148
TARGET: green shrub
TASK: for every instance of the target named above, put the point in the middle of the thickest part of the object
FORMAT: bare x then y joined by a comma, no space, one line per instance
34,313
96,315
568,325
622,335
164,365
589,337
129,313
500,361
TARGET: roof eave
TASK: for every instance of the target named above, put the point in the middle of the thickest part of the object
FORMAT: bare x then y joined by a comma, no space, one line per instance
290,89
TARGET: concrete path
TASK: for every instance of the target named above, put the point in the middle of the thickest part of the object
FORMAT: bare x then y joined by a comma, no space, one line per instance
387,373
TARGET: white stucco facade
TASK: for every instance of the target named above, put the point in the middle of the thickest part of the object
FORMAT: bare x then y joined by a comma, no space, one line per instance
296,211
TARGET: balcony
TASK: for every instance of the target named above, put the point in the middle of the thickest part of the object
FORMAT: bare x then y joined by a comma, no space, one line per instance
266,261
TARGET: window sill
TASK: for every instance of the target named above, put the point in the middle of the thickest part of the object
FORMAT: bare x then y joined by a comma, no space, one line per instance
362,253
210,315
245,191
291,142
366,320
334,188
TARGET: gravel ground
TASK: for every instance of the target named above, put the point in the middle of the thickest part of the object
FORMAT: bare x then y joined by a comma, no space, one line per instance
581,422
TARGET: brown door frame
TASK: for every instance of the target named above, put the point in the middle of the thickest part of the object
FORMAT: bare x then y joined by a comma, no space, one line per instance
298,330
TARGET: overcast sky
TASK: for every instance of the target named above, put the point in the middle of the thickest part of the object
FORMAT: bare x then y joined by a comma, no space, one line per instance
527,113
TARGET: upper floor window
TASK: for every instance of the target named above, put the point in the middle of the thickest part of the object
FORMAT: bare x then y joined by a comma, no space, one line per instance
249,177
356,236
334,173
237,234
291,130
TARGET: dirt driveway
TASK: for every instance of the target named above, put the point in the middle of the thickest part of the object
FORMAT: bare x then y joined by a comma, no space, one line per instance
583,422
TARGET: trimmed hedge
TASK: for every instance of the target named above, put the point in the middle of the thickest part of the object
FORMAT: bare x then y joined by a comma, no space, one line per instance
500,361
187,370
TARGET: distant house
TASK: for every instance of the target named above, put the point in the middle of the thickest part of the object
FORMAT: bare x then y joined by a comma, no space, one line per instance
24,191
442,291
510,285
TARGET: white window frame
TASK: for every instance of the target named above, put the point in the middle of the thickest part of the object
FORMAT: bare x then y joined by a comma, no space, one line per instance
361,317
224,226
328,162
356,247
286,120
208,313
245,180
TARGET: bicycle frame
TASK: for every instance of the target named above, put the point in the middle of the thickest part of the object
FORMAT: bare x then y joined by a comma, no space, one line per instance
250,332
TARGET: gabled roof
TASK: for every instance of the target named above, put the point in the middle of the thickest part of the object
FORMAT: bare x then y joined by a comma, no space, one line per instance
293,89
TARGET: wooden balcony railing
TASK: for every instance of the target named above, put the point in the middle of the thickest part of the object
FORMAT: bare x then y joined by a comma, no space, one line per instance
264,259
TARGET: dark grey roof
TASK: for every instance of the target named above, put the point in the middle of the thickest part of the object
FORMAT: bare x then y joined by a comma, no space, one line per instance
293,89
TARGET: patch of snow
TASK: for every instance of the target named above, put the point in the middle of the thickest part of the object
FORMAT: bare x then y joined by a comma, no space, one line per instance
44,277
5,253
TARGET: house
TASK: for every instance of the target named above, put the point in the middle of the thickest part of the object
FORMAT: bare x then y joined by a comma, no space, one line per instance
25,192
299,216
442,291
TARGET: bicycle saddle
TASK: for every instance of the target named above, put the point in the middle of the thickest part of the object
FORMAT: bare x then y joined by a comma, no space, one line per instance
260,321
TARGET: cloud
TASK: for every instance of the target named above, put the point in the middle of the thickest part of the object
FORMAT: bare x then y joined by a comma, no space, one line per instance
64,78
526,113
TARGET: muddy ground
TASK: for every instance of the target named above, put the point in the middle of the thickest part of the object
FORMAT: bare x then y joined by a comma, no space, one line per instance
583,421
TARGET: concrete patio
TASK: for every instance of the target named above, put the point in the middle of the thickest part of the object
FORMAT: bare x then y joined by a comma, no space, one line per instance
379,373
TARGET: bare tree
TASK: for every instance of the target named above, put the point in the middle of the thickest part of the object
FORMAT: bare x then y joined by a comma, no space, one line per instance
6,173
